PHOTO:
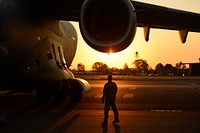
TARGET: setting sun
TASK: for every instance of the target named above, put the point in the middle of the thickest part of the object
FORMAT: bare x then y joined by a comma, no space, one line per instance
112,59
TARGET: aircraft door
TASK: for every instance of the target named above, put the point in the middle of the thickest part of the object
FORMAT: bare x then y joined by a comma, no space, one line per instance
58,54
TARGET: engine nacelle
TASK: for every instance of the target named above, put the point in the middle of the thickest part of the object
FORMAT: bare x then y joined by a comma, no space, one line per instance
108,25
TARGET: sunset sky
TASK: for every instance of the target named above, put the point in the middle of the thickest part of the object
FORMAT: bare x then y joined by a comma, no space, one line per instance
163,47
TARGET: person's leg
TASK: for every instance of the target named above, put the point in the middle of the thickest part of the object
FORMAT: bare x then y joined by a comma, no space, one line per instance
106,111
115,111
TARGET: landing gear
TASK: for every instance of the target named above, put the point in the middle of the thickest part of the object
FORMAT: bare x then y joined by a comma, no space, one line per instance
69,88
42,95
75,93
61,95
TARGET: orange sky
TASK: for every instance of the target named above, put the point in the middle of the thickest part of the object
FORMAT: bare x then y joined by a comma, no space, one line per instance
163,47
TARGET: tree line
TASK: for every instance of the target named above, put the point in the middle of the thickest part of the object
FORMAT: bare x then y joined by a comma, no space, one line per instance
141,68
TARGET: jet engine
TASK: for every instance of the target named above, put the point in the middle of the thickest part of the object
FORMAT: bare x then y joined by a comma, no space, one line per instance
108,25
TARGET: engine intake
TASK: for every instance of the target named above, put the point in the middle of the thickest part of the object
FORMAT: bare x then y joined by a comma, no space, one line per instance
108,25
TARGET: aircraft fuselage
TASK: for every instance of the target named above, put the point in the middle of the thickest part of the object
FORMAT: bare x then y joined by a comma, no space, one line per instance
35,49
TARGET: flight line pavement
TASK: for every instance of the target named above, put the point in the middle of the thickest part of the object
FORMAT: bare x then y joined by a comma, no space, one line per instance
135,121
89,121
171,108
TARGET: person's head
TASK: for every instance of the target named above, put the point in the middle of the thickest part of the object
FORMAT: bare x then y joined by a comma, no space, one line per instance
109,77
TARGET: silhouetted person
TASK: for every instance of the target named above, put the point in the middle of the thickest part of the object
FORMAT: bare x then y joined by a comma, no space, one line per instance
109,97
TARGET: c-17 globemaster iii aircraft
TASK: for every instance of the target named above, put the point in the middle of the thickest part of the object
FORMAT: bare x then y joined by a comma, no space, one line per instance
38,44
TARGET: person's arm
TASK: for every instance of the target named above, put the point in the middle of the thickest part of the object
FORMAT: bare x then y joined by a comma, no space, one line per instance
116,88
103,97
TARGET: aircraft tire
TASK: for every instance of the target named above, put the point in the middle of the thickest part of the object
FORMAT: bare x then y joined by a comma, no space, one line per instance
75,93
42,95
60,96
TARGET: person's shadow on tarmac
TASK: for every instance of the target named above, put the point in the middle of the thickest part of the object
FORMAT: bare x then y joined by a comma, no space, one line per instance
105,128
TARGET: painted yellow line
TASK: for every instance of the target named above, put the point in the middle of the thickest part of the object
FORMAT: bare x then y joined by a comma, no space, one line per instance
99,95
132,88
128,95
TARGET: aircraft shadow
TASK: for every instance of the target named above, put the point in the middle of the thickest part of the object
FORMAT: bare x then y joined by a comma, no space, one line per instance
48,117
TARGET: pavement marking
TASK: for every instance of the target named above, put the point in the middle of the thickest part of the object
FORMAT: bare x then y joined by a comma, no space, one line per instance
132,88
193,84
166,110
99,95
128,95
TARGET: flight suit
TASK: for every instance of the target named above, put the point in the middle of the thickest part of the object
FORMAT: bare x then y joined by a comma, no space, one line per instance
109,94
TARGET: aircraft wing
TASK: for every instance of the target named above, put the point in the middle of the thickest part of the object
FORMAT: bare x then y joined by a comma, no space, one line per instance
166,18
148,16
153,16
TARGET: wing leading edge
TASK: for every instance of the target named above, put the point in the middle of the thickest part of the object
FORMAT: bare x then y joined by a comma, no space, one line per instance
153,16
166,18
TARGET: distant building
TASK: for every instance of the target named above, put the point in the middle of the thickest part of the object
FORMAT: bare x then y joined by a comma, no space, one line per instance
194,69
